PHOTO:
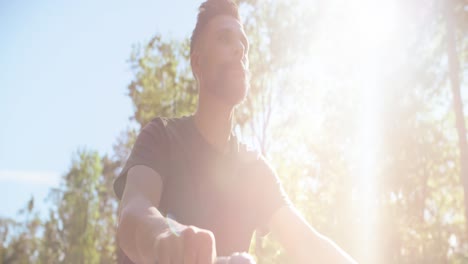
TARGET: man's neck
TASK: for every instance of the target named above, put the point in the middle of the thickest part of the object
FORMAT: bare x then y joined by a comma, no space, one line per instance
214,121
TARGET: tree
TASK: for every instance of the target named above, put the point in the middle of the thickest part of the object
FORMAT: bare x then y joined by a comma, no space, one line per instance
19,240
163,85
81,227
452,8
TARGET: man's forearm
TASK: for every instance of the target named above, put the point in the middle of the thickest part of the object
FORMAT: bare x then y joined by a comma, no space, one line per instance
139,225
302,241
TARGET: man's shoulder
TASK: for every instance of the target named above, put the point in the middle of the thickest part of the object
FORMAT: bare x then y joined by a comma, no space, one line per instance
249,154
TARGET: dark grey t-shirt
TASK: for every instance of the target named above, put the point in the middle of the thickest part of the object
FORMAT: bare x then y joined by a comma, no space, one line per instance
229,194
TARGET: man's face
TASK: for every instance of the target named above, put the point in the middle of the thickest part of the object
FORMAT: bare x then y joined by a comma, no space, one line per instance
223,66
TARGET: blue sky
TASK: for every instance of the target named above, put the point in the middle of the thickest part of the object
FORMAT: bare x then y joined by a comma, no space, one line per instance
63,82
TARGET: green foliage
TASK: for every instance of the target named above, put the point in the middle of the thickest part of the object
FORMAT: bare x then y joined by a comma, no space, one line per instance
19,240
81,225
163,85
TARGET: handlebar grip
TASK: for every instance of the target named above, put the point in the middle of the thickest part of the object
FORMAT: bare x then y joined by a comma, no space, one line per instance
222,260
236,258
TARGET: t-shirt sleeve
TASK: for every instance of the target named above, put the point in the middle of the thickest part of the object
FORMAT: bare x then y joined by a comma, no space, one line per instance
151,149
270,195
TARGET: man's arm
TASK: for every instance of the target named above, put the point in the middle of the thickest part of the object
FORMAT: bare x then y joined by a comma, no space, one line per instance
143,232
303,242
138,216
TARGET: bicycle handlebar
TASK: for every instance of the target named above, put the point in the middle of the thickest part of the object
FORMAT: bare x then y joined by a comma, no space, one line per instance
236,258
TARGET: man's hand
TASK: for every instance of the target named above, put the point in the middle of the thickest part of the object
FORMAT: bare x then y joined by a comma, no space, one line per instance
188,245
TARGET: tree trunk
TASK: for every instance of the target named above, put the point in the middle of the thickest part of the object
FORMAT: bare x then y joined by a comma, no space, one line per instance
454,77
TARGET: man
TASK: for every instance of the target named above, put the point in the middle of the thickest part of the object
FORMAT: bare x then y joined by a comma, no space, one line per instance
190,191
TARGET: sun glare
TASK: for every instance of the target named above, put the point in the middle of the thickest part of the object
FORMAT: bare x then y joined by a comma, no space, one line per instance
351,38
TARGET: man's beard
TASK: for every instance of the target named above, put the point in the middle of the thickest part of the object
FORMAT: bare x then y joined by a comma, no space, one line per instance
231,84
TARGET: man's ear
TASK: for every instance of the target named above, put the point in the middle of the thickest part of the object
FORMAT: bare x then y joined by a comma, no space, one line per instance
195,63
